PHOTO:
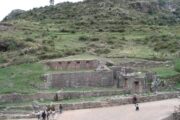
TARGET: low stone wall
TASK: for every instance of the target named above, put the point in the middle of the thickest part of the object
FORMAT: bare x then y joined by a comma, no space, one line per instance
174,116
15,97
61,95
72,64
73,95
168,118
80,79
146,64
120,101
107,103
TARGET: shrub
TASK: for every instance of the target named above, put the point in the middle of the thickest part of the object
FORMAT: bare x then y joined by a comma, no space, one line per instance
177,65
51,55
83,38
94,39
103,51
28,39
25,59
110,42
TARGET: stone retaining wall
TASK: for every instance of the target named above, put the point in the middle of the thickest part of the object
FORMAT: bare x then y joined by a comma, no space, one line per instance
145,64
80,79
72,64
121,101
174,116
109,102
61,95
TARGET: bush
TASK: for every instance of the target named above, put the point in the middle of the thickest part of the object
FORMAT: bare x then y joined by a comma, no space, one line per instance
67,31
29,40
10,44
177,65
103,51
83,38
51,55
94,39
110,42
25,59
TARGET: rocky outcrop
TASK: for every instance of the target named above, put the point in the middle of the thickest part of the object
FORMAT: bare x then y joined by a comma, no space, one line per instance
13,14
145,6
153,6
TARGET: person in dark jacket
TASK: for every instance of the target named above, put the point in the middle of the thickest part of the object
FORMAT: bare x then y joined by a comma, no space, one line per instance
134,100
60,108
44,115
137,107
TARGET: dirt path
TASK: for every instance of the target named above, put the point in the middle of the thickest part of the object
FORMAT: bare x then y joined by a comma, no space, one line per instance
148,111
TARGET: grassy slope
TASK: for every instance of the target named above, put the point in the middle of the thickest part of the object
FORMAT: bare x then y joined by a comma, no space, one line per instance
24,78
111,31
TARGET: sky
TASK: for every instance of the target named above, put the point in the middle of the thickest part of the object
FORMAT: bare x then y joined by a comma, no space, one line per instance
6,6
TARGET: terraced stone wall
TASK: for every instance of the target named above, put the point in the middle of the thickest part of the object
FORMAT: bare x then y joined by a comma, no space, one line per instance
73,64
80,79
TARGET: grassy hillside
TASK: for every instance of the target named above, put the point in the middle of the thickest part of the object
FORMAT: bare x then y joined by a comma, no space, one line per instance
147,29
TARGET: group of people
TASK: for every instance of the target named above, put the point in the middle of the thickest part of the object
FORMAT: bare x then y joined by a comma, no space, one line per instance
49,112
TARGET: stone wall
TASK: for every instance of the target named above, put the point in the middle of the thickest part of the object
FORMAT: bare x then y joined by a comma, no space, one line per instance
146,64
116,101
61,95
72,64
117,69
80,79
119,101
174,116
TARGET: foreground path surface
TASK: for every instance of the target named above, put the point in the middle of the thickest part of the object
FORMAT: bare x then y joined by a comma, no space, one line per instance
148,111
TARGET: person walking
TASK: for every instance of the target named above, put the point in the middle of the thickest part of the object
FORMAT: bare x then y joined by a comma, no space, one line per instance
60,108
137,107
134,99
44,115
135,102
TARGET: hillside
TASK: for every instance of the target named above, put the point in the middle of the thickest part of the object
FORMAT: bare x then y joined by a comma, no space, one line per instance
95,27
138,29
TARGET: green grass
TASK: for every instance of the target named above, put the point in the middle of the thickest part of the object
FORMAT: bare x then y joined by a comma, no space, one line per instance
177,65
178,85
88,89
24,78
165,72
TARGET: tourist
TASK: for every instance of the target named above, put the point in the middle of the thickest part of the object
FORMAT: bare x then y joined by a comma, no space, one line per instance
134,100
44,115
60,108
137,107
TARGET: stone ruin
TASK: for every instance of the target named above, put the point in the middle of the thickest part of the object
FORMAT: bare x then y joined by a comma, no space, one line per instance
72,64
94,73
129,79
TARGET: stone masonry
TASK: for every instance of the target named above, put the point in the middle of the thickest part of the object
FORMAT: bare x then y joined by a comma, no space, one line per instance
80,79
72,64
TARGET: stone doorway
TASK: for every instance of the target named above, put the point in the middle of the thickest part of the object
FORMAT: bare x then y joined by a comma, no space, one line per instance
125,83
136,87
